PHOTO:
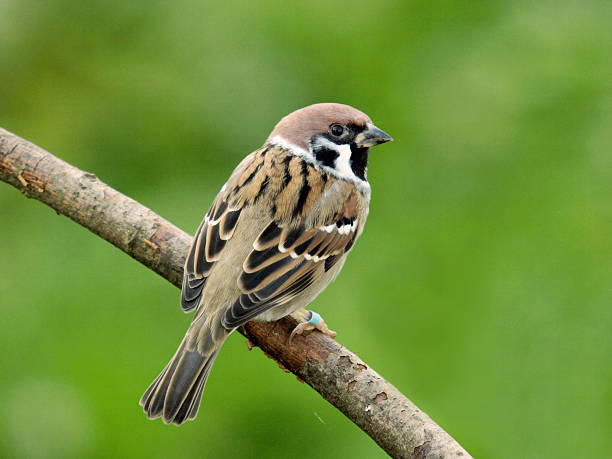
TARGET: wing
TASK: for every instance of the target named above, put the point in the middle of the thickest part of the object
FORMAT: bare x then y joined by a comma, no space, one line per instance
219,225
210,239
285,261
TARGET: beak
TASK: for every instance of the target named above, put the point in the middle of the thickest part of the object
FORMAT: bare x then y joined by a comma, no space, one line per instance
371,136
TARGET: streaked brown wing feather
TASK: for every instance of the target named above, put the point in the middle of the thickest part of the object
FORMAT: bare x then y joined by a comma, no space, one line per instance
285,261
210,239
219,225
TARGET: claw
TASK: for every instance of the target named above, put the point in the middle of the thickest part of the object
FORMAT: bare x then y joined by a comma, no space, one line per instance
315,321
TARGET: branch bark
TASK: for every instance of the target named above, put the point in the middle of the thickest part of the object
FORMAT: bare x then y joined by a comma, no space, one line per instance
339,375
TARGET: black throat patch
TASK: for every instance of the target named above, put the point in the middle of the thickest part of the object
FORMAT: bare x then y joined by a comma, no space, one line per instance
359,160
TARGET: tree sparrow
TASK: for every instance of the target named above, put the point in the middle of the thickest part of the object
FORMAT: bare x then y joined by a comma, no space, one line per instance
275,236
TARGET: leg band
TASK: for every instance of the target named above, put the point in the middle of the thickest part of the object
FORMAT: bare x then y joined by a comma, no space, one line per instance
315,318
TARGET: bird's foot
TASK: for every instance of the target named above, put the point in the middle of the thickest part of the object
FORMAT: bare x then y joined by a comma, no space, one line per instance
312,320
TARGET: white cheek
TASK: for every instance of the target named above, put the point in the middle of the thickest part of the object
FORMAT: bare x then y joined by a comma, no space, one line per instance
343,162
342,165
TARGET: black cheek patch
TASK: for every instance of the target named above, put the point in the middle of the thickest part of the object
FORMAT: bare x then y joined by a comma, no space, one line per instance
326,156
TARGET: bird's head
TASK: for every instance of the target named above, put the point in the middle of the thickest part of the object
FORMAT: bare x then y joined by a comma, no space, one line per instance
334,137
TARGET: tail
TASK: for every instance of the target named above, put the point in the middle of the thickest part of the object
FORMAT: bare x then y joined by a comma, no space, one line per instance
176,393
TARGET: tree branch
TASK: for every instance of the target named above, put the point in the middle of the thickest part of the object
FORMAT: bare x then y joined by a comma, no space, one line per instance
341,377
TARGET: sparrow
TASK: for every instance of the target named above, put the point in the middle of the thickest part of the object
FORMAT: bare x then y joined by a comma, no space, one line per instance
276,235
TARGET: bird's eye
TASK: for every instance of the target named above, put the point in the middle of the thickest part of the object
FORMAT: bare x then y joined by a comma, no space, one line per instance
336,130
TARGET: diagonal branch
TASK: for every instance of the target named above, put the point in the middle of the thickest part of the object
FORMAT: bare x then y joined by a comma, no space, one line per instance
343,379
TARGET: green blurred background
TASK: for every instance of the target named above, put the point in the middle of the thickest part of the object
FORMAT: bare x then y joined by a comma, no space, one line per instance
480,288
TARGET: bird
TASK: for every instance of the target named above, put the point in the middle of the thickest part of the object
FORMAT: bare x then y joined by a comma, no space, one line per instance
277,233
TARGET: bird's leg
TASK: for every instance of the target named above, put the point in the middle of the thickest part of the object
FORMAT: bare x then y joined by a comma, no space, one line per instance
311,320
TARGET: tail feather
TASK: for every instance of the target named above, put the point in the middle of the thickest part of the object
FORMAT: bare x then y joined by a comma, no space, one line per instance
181,381
176,393
158,389
191,404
